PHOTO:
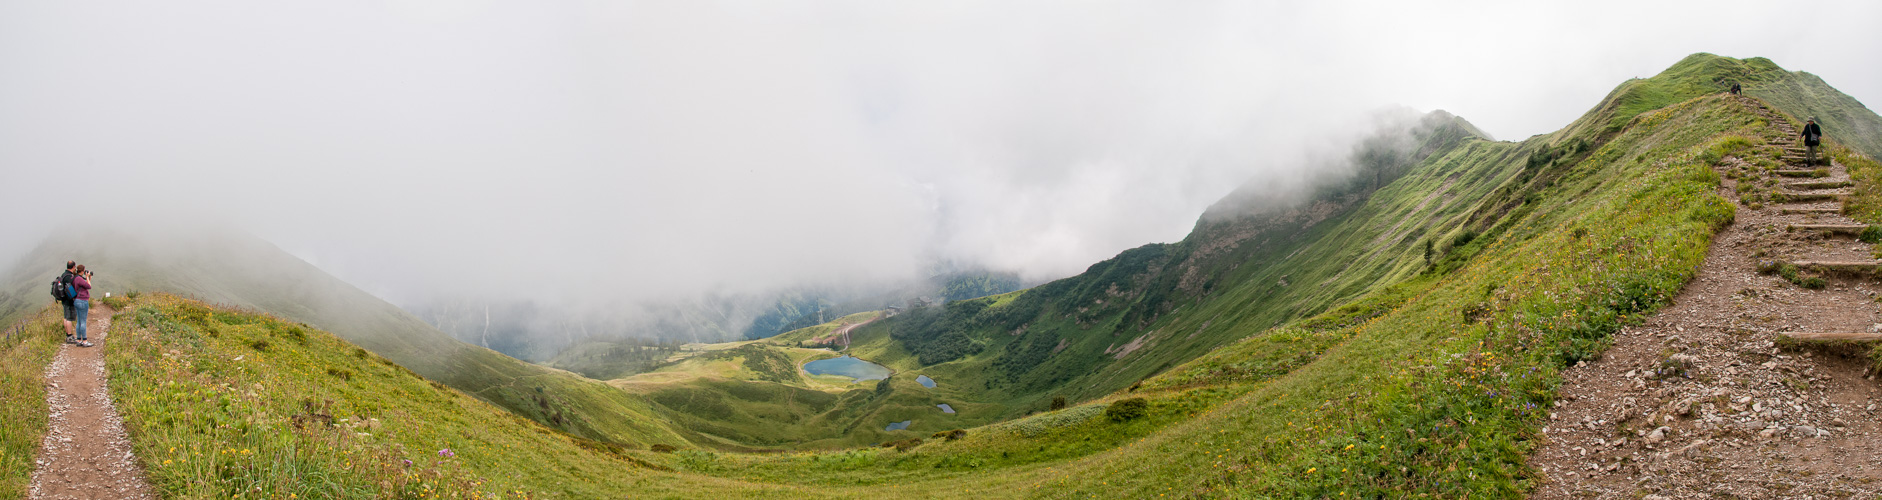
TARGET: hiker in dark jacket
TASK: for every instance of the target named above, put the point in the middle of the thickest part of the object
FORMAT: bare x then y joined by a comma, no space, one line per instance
82,303
1735,88
1813,135
71,313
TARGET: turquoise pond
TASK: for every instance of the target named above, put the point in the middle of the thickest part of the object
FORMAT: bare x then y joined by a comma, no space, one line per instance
925,381
902,425
848,366
945,408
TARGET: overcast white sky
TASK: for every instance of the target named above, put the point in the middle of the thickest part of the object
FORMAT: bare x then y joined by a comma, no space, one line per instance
664,148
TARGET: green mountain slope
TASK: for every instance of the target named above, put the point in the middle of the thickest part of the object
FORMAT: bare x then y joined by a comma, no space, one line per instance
1396,334
1432,380
1247,267
244,272
1556,242
223,403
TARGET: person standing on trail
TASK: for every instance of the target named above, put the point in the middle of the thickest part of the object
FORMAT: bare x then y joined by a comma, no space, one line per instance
66,302
1813,135
1735,88
82,304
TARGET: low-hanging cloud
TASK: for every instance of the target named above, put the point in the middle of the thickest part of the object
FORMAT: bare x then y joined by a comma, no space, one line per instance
631,151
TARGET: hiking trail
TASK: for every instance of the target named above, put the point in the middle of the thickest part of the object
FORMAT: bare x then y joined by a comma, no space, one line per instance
1705,399
86,453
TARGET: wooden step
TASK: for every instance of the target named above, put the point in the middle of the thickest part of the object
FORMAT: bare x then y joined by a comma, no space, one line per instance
1808,185
1851,336
1830,228
1811,210
1815,172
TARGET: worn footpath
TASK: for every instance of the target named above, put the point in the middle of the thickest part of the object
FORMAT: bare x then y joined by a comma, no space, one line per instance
1707,398
86,453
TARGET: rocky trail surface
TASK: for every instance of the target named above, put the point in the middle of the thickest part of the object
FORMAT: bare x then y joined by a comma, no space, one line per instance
1707,398
86,453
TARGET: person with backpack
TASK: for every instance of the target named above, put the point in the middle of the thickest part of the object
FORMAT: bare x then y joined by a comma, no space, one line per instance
62,291
81,301
1813,135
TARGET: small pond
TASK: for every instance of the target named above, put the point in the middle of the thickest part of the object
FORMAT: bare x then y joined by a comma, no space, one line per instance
848,366
925,381
899,426
945,408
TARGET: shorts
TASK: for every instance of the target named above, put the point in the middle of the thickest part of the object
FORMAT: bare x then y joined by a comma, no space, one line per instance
71,311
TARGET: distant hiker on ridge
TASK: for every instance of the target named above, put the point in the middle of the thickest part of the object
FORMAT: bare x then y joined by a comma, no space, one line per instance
1735,88
1813,135
82,302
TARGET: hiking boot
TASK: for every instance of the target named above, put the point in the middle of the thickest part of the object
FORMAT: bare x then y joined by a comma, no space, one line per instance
82,343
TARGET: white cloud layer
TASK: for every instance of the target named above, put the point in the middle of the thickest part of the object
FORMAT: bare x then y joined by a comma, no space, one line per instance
660,149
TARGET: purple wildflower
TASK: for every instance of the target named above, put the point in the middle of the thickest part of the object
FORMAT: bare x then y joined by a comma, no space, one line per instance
446,453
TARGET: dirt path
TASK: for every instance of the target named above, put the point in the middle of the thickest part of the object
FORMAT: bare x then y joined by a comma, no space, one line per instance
86,453
1701,402
842,334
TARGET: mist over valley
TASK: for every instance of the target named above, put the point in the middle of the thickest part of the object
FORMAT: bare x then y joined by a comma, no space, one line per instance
488,250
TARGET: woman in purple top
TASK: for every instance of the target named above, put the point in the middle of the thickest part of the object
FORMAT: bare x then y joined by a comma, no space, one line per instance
83,303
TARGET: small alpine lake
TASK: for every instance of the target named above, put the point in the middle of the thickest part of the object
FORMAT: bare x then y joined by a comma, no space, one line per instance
925,381
848,366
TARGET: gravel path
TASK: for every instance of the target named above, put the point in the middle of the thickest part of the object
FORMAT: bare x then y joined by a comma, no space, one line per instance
86,453
1701,402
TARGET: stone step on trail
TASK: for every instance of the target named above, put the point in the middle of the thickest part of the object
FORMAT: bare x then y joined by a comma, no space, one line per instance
1811,210
1802,197
1851,336
1849,229
1809,185
1852,267
1817,172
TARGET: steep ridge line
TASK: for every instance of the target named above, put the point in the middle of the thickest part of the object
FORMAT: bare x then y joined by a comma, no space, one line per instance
1707,398
86,453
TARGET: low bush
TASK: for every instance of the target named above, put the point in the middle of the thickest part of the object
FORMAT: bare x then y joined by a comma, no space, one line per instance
115,302
1125,410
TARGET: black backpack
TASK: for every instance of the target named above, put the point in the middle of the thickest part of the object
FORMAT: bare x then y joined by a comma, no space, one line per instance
62,288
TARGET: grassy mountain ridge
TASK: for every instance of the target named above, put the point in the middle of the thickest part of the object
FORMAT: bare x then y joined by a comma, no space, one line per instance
1252,264
1151,307
1590,232
245,272
221,402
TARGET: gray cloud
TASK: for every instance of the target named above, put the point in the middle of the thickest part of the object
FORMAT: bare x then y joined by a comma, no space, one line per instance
664,149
